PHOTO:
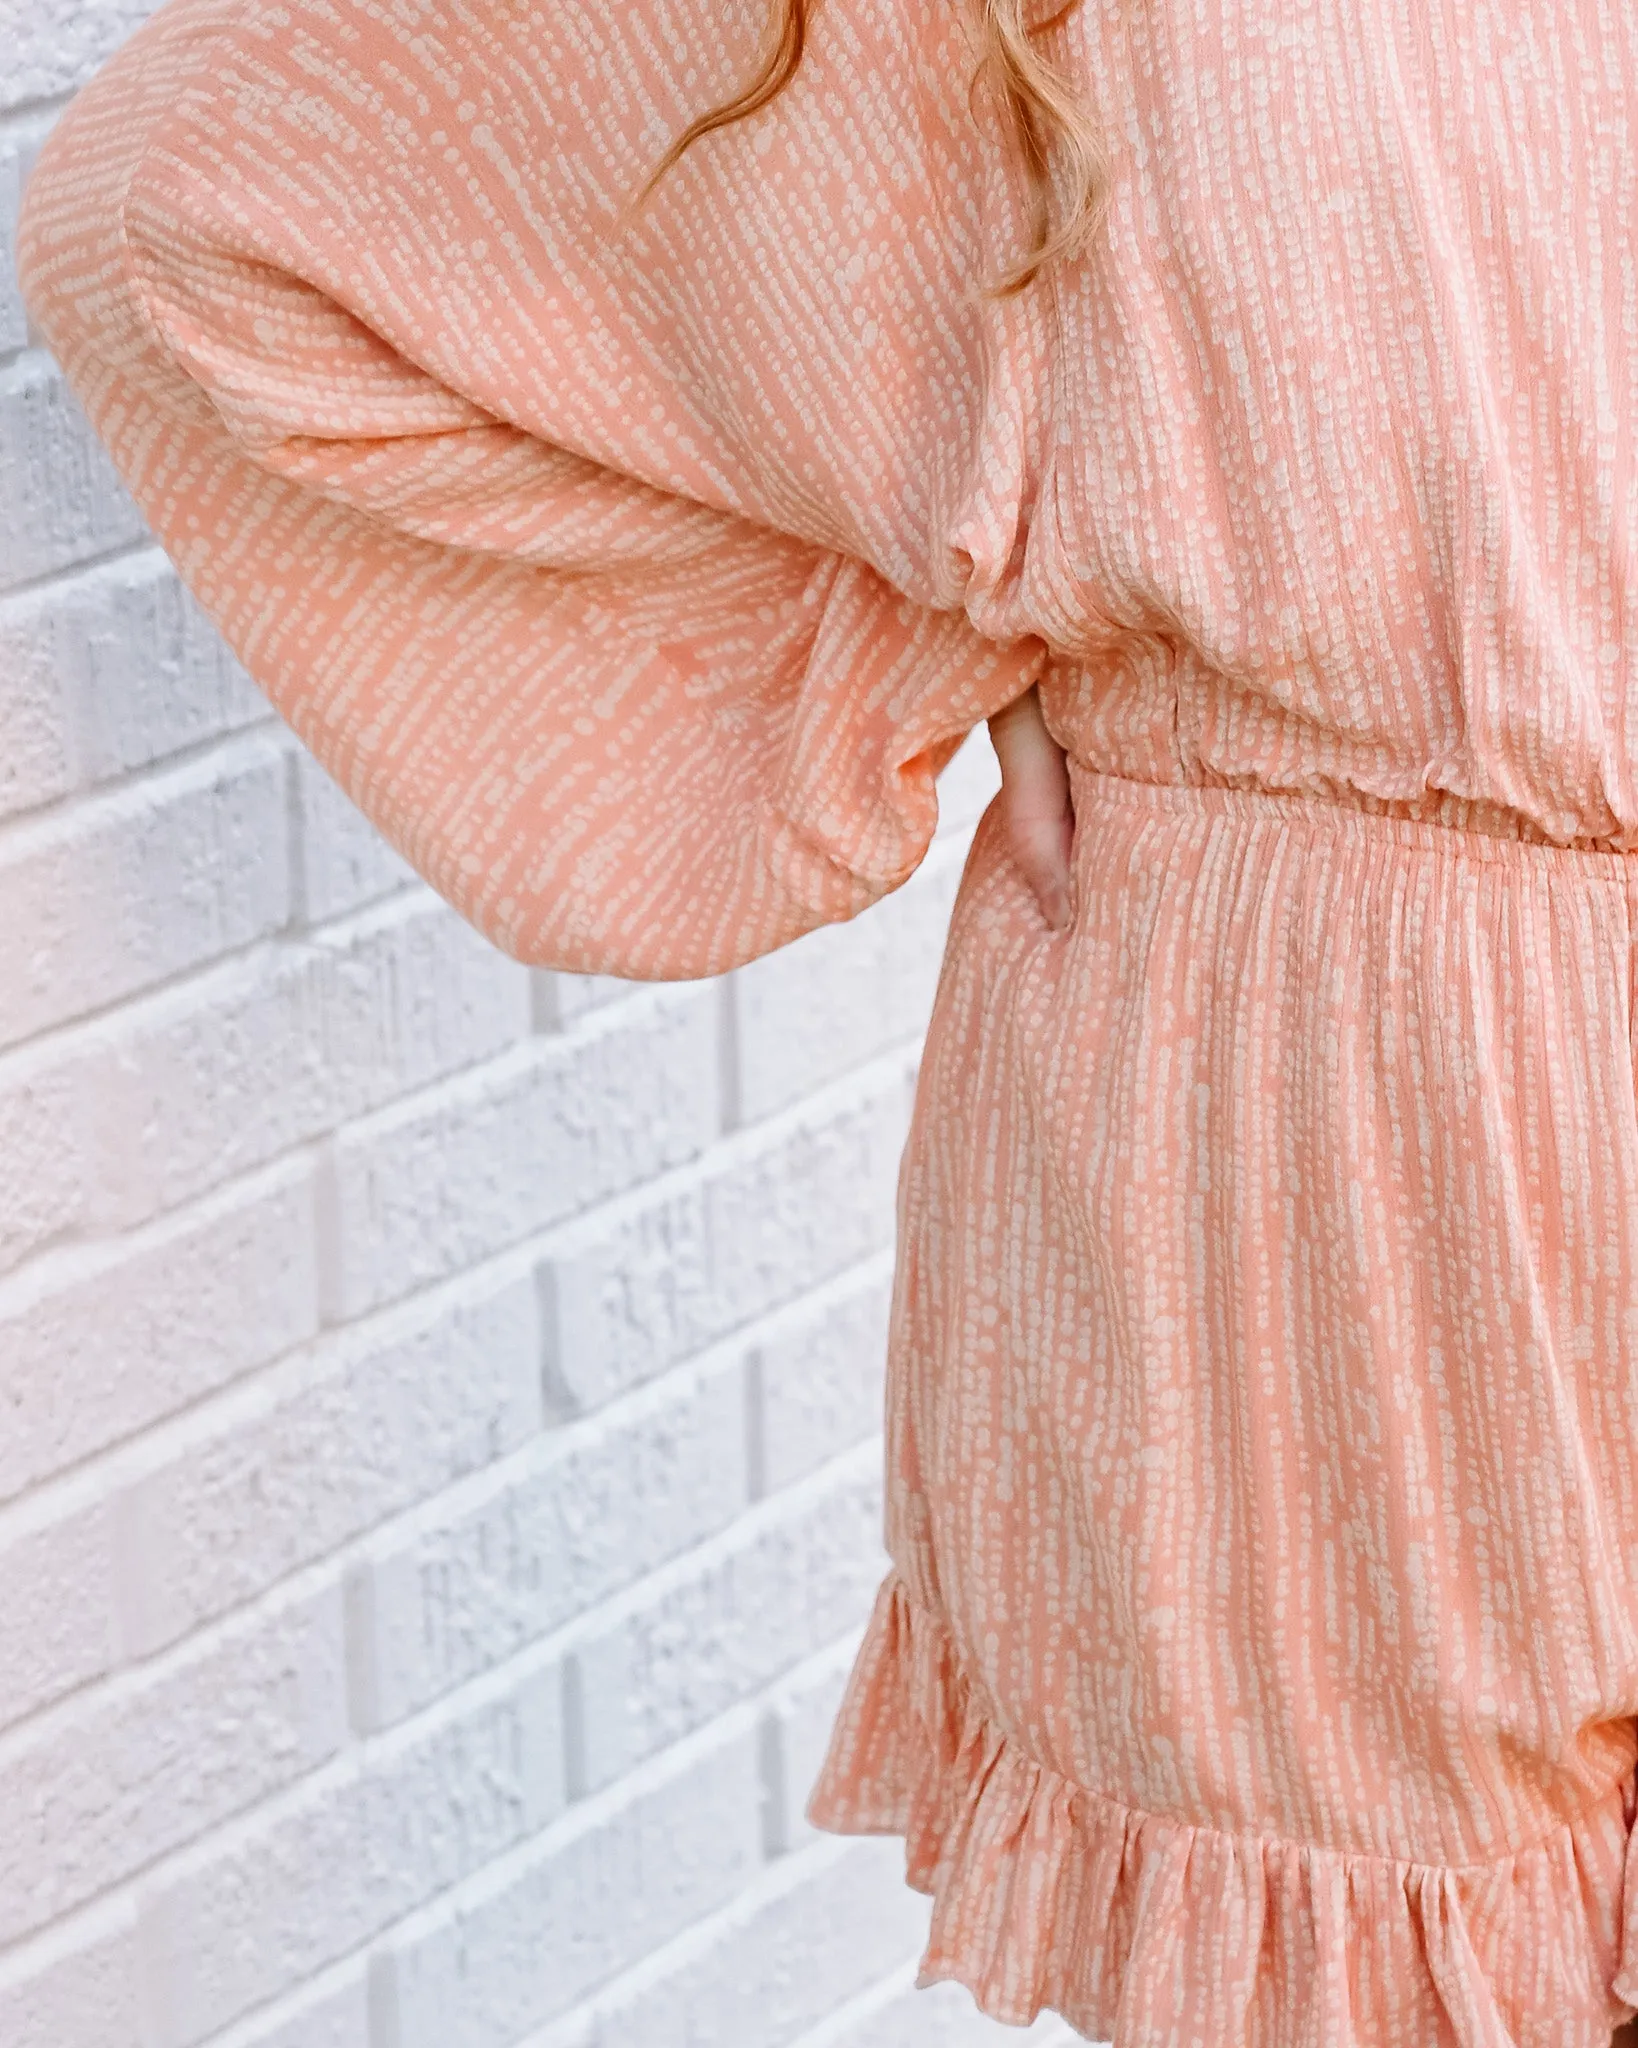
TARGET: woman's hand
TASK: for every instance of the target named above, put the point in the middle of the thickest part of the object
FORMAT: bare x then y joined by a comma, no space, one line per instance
1035,804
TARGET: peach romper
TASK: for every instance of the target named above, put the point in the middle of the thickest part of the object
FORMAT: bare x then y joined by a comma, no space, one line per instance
1259,1661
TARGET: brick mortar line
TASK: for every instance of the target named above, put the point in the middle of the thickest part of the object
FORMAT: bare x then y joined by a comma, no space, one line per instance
445,1503
495,1680
39,1045
98,558
862,1460
328,939
780,1876
578,1817
100,1472
499,1681
52,824
33,588
21,112
831,2031
724,1151
267,727
586,1816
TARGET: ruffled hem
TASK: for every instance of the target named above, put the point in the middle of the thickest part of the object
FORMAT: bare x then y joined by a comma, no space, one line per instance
1148,1933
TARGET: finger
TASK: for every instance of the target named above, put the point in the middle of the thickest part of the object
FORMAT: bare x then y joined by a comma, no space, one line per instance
1039,846
1037,811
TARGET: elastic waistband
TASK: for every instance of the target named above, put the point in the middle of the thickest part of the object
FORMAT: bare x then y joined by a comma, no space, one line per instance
1445,825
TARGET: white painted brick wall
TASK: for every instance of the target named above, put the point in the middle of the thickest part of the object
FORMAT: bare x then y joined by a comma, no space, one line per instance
440,1482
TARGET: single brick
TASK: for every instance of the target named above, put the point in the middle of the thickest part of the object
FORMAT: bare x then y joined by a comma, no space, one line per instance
617,1877
843,1917
819,1373
49,1136
53,46
38,760
437,1182
106,671
773,1210
239,1063
941,2016
64,501
102,1342
844,993
810,1931
77,1986
723,1622
260,1906
802,1713
332,2012
108,1781
19,145
111,894
518,1554
59,1595
561,999
342,861
360,1427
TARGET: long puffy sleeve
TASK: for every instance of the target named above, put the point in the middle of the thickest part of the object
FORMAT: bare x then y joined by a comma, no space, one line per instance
619,564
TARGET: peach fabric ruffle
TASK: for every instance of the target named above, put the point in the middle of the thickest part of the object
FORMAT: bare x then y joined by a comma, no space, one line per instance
1144,1930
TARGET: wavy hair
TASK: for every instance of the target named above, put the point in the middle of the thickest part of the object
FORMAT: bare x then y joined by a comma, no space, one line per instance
1040,109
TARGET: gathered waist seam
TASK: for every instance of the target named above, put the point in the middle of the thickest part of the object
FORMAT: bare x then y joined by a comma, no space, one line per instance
1458,833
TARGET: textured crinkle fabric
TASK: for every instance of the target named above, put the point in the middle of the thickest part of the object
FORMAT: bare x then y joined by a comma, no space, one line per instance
1259,1662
